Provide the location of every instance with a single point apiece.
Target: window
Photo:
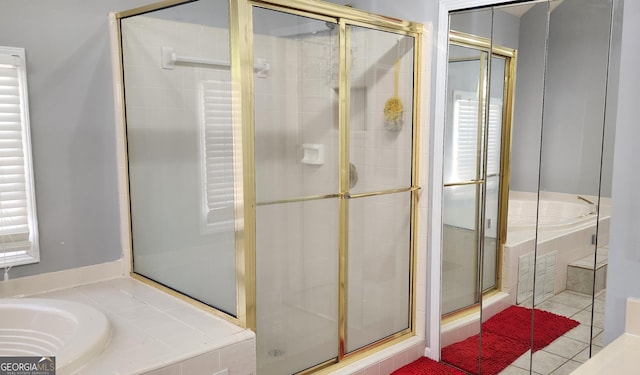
(18, 226)
(465, 136)
(216, 119)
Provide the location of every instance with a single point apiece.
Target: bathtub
(71, 332)
(552, 214)
(565, 233)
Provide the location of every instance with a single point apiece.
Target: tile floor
(572, 349)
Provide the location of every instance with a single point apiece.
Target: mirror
(529, 280)
(464, 236)
(574, 195)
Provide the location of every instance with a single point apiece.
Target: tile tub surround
(155, 333)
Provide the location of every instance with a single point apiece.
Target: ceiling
(520, 9)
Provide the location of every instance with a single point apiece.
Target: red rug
(505, 337)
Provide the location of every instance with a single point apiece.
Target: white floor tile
(546, 363)
(566, 347)
(558, 308)
(583, 333)
(513, 370)
(583, 356)
(567, 368)
(572, 299)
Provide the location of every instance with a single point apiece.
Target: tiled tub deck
(156, 334)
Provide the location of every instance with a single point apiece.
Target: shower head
(330, 25)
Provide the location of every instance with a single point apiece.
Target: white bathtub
(552, 214)
(70, 331)
(565, 233)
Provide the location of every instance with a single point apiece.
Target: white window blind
(217, 153)
(465, 136)
(18, 229)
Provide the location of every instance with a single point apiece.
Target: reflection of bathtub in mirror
(566, 226)
(558, 212)
(553, 215)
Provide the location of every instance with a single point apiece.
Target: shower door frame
(487, 51)
(345, 17)
(242, 76)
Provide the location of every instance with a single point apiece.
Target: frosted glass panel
(462, 145)
(296, 156)
(181, 191)
(378, 270)
(460, 247)
(381, 119)
(296, 107)
(297, 289)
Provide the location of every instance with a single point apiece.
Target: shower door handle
(353, 175)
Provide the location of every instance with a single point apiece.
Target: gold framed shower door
(242, 83)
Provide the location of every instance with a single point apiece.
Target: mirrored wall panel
(539, 234)
(466, 245)
(574, 194)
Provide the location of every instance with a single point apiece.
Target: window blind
(17, 232)
(217, 152)
(465, 136)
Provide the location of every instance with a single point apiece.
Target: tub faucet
(593, 210)
(585, 199)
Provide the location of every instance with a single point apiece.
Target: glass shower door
(335, 194)
(463, 179)
(473, 176)
(380, 136)
(494, 142)
(296, 180)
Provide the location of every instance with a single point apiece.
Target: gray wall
(72, 127)
(527, 116)
(623, 274)
(574, 98)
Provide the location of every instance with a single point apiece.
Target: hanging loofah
(393, 108)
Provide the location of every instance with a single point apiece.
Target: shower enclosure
(272, 163)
